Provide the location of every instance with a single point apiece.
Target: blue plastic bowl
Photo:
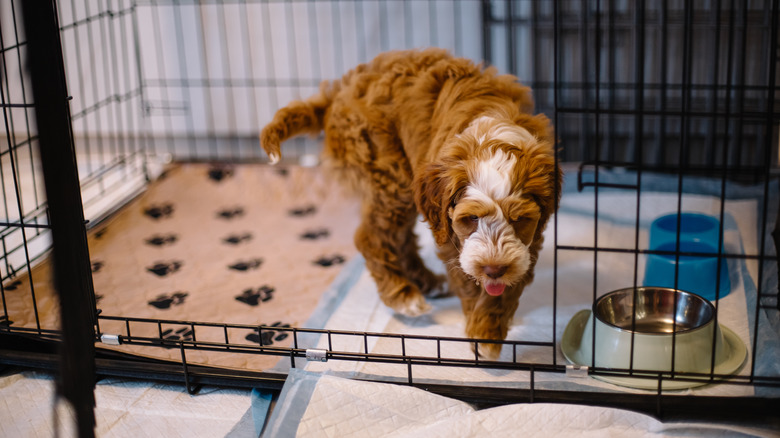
(695, 273)
(694, 227)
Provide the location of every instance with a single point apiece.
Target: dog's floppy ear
(543, 179)
(435, 190)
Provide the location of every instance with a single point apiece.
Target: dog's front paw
(487, 351)
(484, 326)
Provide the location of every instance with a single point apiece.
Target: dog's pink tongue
(494, 289)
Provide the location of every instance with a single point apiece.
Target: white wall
(223, 69)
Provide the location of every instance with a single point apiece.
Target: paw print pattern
(315, 234)
(236, 239)
(246, 265)
(161, 211)
(162, 239)
(165, 301)
(162, 269)
(12, 285)
(230, 213)
(182, 334)
(218, 173)
(330, 261)
(266, 337)
(253, 297)
(303, 211)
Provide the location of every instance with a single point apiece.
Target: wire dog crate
(656, 105)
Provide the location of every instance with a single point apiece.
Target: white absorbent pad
(314, 405)
(123, 409)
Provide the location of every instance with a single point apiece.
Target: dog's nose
(494, 271)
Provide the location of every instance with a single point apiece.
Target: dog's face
(494, 223)
(494, 192)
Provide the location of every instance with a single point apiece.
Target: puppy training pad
(246, 244)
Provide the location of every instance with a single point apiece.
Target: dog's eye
(474, 218)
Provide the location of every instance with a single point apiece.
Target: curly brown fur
(424, 132)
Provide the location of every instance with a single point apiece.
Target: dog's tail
(299, 117)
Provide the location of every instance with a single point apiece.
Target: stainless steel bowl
(644, 328)
(657, 310)
(652, 329)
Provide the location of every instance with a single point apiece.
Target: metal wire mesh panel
(688, 83)
(646, 92)
(99, 52)
(24, 233)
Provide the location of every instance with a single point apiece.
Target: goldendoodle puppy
(422, 132)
